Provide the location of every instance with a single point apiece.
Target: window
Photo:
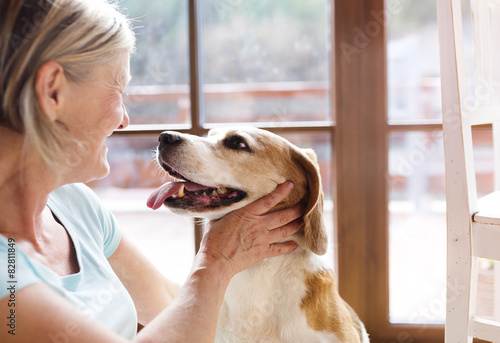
(417, 204)
(201, 64)
(375, 98)
(266, 61)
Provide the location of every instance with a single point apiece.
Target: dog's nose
(169, 138)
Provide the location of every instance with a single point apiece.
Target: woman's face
(93, 110)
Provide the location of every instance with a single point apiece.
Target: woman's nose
(126, 119)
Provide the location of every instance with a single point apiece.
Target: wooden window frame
(360, 132)
(361, 169)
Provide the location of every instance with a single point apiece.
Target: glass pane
(166, 239)
(417, 228)
(159, 90)
(266, 61)
(413, 59)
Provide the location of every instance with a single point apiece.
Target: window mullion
(196, 66)
(196, 84)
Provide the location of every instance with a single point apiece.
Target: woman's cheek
(112, 119)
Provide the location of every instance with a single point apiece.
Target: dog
(289, 298)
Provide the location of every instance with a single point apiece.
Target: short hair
(78, 34)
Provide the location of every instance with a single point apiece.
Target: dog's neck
(273, 288)
(272, 269)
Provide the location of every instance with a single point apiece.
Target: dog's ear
(314, 226)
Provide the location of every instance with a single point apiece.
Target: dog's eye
(237, 143)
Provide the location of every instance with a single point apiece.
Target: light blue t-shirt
(95, 289)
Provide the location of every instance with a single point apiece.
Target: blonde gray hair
(78, 34)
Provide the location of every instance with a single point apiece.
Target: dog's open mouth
(190, 195)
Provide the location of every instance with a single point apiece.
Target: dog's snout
(169, 138)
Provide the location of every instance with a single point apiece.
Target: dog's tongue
(158, 197)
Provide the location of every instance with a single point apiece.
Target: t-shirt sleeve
(16, 271)
(83, 206)
(110, 229)
(111, 232)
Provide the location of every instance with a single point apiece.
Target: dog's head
(232, 167)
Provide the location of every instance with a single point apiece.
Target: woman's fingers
(281, 248)
(283, 232)
(267, 202)
(283, 217)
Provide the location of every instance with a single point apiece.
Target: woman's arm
(43, 316)
(149, 289)
(230, 245)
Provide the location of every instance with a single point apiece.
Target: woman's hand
(246, 236)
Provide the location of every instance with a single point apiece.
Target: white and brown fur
(289, 298)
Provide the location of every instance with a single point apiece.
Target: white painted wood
(496, 154)
(496, 285)
(469, 233)
(483, 115)
(458, 213)
(485, 329)
(489, 209)
(486, 241)
(496, 271)
(473, 286)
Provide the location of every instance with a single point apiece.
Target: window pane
(159, 90)
(417, 205)
(266, 60)
(417, 228)
(166, 239)
(413, 61)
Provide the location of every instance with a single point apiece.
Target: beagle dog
(289, 298)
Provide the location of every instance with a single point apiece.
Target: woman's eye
(237, 143)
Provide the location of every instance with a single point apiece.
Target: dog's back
(290, 298)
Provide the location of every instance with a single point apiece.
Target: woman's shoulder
(74, 192)
(79, 206)
(76, 199)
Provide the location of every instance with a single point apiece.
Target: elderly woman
(67, 274)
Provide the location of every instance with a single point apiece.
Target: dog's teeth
(221, 191)
(214, 193)
(181, 193)
(174, 196)
(204, 194)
